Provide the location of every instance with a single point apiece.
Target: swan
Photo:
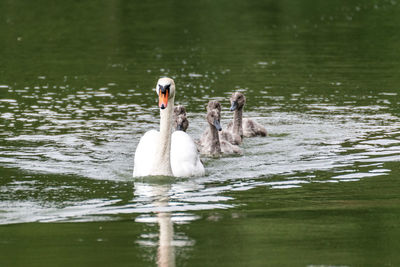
(210, 144)
(181, 122)
(239, 126)
(229, 136)
(163, 153)
(214, 104)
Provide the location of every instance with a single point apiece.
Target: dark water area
(76, 95)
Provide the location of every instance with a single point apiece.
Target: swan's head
(179, 110)
(181, 122)
(237, 101)
(214, 104)
(166, 90)
(214, 118)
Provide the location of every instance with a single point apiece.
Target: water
(76, 94)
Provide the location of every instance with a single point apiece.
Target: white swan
(210, 143)
(240, 127)
(163, 153)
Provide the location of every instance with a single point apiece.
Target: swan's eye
(163, 89)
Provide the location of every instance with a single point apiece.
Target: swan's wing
(253, 128)
(145, 151)
(229, 149)
(229, 126)
(204, 137)
(203, 143)
(185, 159)
(230, 136)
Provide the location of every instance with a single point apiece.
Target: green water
(76, 95)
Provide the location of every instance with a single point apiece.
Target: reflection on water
(166, 251)
(158, 194)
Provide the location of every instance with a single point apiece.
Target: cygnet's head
(166, 90)
(181, 122)
(214, 118)
(237, 101)
(178, 110)
(214, 104)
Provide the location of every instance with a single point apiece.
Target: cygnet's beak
(234, 105)
(217, 125)
(163, 99)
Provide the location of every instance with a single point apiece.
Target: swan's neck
(237, 122)
(215, 146)
(162, 159)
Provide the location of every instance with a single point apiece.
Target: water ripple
(92, 133)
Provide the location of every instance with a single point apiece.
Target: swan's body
(250, 128)
(230, 136)
(185, 159)
(239, 127)
(145, 151)
(163, 153)
(183, 148)
(210, 143)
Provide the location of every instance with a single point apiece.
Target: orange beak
(163, 100)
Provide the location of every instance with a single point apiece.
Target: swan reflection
(157, 196)
(166, 250)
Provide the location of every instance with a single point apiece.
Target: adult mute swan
(239, 126)
(210, 144)
(163, 153)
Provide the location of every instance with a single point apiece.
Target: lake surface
(76, 95)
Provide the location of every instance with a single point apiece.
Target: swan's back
(230, 149)
(145, 153)
(252, 128)
(185, 160)
(229, 135)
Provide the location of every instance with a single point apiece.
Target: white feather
(145, 151)
(185, 159)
